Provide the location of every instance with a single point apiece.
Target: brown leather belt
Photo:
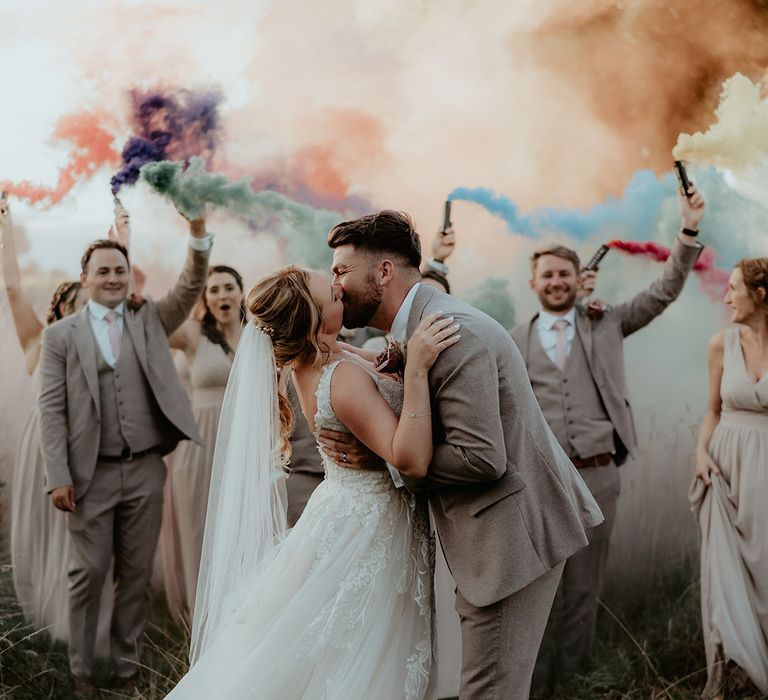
(600, 460)
(127, 455)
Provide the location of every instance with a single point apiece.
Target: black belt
(127, 455)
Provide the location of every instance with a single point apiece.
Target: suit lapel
(86, 350)
(135, 328)
(423, 294)
(584, 329)
(525, 350)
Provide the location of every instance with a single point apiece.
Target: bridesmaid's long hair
(755, 274)
(282, 305)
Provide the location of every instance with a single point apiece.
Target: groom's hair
(389, 232)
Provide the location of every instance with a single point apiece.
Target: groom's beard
(360, 307)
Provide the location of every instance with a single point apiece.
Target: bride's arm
(367, 355)
(405, 443)
(705, 465)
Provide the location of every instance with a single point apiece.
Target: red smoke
(713, 279)
(91, 150)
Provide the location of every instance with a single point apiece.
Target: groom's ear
(385, 271)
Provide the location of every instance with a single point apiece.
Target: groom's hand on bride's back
(347, 451)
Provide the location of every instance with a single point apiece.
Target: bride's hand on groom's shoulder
(433, 335)
(347, 451)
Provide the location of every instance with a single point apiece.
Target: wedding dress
(340, 607)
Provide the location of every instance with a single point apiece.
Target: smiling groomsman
(111, 406)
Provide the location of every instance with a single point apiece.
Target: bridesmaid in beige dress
(730, 492)
(209, 346)
(39, 543)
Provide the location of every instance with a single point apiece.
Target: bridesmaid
(729, 492)
(39, 542)
(209, 346)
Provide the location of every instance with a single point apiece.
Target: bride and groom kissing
(340, 606)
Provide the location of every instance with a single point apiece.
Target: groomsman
(575, 361)
(111, 406)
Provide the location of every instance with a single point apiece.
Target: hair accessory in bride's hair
(264, 328)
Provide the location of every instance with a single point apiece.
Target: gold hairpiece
(267, 330)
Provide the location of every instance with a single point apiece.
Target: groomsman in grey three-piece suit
(575, 361)
(111, 406)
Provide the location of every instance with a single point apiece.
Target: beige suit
(508, 504)
(594, 397)
(119, 501)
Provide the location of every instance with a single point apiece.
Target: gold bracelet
(418, 415)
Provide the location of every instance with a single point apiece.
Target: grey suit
(508, 504)
(88, 410)
(594, 398)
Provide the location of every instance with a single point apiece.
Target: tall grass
(648, 647)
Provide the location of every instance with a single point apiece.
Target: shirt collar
(548, 320)
(99, 311)
(400, 324)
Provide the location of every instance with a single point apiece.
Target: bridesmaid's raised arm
(28, 325)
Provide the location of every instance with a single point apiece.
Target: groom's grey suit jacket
(69, 396)
(508, 503)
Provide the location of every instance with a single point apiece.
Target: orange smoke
(651, 69)
(91, 150)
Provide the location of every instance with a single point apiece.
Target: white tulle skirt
(342, 609)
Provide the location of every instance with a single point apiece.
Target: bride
(340, 606)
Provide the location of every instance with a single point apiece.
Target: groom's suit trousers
(500, 642)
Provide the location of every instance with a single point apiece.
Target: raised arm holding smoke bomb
(110, 397)
(574, 356)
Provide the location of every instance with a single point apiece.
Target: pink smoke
(714, 279)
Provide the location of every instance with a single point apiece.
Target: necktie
(114, 333)
(561, 343)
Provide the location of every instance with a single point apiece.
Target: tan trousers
(499, 642)
(118, 516)
(571, 628)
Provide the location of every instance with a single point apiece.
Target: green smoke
(493, 297)
(192, 190)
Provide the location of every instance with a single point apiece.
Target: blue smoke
(646, 210)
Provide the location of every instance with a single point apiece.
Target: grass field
(649, 647)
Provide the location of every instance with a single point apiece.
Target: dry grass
(649, 647)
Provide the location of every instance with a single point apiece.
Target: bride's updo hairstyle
(755, 274)
(282, 306)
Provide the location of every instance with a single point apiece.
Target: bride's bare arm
(405, 443)
(367, 355)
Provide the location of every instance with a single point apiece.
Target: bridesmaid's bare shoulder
(716, 346)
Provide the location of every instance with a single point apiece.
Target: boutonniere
(596, 310)
(391, 360)
(135, 302)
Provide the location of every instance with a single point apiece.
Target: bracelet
(418, 415)
(689, 232)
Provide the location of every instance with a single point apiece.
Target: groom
(508, 504)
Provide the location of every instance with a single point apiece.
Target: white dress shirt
(548, 335)
(400, 324)
(97, 316)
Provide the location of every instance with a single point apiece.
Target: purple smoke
(173, 125)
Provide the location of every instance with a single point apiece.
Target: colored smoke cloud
(739, 137)
(649, 68)
(91, 149)
(170, 125)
